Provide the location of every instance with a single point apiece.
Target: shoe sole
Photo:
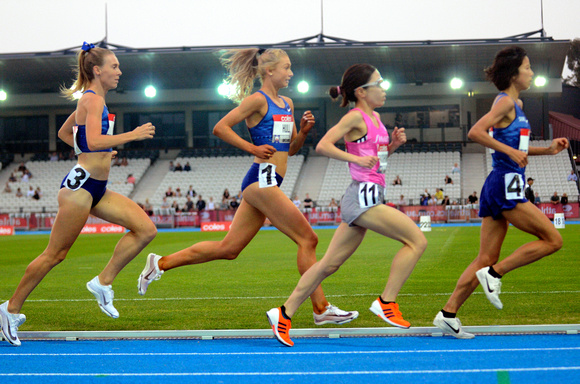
(339, 322)
(380, 314)
(442, 325)
(483, 282)
(275, 329)
(96, 294)
(16, 342)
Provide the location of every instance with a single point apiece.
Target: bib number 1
(514, 186)
(368, 195)
(267, 175)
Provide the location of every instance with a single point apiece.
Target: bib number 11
(368, 195)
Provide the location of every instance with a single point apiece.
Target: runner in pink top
(362, 208)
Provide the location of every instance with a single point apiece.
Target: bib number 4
(514, 186)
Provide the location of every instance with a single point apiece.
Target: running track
(528, 359)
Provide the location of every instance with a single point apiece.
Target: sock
(386, 302)
(494, 273)
(283, 309)
(448, 315)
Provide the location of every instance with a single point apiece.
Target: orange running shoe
(280, 325)
(390, 313)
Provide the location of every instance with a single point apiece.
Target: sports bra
(80, 132)
(275, 128)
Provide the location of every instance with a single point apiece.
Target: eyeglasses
(373, 84)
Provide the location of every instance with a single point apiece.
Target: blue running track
(512, 359)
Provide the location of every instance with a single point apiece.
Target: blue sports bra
(275, 128)
(80, 133)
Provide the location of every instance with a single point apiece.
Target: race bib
(283, 127)
(111, 124)
(75, 131)
(267, 175)
(490, 133)
(368, 194)
(524, 140)
(76, 178)
(383, 154)
(514, 186)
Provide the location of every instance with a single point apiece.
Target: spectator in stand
(424, 199)
(131, 179)
(12, 178)
(187, 167)
(148, 208)
(455, 169)
(7, 188)
(529, 192)
(19, 192)
(191, 192)
(473, 198)
(555, 199)
(30, 191)
(124, 162)
(37, 194)
(178, 192)
(210, 204)
(537, 200)
(175, 206)
(564, 199)
(117, 162)
(178, 167)
(200, 205)
(308, 203)
(226, 194)
(572, 176)
(397, 181)
(224, 205)
(169, 192)
(189, 206)
(165, 204)
(21, 168)
(332, 203)
(445, 201)
(297, 201)
(171, 166)
(448, 180)
(53, 156)
(234, 203)
(26, 176)
(401, 202)
(438, 194)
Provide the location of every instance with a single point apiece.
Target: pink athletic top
(375, 141)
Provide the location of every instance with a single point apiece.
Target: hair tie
(255, 61)
(338, 89)
(87, 47)
(261, 50)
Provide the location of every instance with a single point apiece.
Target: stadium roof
(319, 59)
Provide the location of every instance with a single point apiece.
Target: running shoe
(150, 273)
(491, 286)
(104, 295)
(10, 323)
(280, 325)
(390, 313)
(451, 326)
(334, 315)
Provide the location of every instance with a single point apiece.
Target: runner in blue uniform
(89, 129)
(270, 121)
(502, 197)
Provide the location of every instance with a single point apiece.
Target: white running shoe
(451, 326)
(10, 323)
(104, 295)
(334, 315)
(491, 286)
(150, 273)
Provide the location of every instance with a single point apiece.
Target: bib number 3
(76, 178)
(514, 186)
(267, 175)
(368, 195)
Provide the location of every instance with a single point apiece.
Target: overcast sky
(41, 25)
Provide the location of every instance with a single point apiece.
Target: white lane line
(478, 350)
(400, 372)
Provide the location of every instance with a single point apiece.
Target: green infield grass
(236, 294)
